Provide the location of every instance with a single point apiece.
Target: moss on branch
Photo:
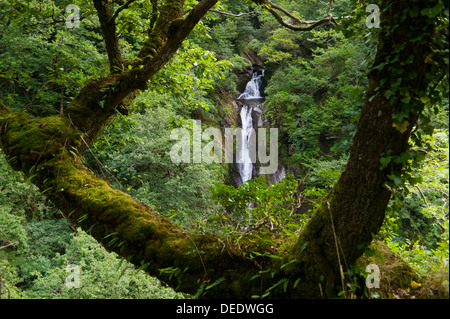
(170, 12)
(46, 150)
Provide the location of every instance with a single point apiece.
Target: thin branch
(35, 95)
(272, 8)
(120, 9)
(337, 244)
(423, 196)
(200, 256)
(7, 245)
(231, 14)
(4, 108)
(154, 13)
(426, 203)
(100, 164)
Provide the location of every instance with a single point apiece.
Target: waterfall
(252, 88)
(249, 97)
(244, 163)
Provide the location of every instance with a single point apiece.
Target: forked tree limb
(306, 24)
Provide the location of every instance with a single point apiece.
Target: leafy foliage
(42, 63)
(190, 75)
(418, 225)
(257, 205)
(136, 158)
(37, 245)
(102, 275)
(313, 99)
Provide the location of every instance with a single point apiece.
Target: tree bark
(353, 212)
(108, 26)
(49, 150)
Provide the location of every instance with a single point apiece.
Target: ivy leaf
(385, 162)
(402, 127)
(397, 82)
(396, 179)
(428, 58)
(434, 11)
(425, 99)
(406, 99)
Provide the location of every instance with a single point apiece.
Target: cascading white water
(244, 163)
(252, 92)
(252, 89)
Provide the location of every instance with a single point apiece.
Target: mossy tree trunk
(49, 150)
(353, 212)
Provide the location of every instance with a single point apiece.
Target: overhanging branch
(309, 24)
(306, 25)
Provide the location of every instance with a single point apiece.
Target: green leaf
(200, 290)
(397, 83)
(285, 285)
(396, 179)
(296, 282)
(385, 162)
(406, 99)
(217, 282)
(303, 247)
(288, 263)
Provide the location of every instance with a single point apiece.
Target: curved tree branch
(272, 8)
(286, 12)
